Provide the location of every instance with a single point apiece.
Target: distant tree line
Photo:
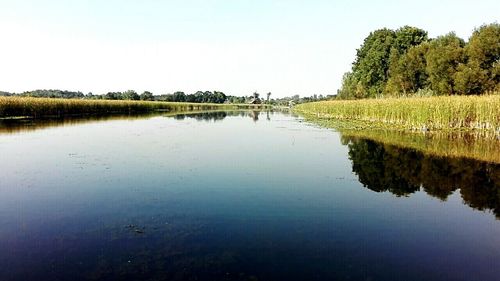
(198, 97)
(406, 61)
(179, 96)
(52, 94)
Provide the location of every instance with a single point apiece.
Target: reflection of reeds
(429, 113)
(473, 145)
(17, 125)
(8, 126)
(384, 167)
(43, 107)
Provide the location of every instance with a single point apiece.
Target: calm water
(237, 196)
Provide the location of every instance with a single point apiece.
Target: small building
(255, 101)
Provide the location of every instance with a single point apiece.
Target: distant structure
(255, 99)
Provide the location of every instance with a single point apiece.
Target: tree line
(178, 96)
(406, 61)
(198, 97)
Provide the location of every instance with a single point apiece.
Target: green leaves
(479, 74)
(370, 71)
(405, 61)
(444, 55)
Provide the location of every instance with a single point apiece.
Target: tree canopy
(406, 61)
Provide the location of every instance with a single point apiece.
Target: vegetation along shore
(11, 107)
(401, 79)
(420, 114)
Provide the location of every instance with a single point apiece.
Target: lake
(237, 196)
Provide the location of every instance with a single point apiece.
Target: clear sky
(237, 46)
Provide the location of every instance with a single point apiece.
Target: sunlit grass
(46, 107)
(422, 113)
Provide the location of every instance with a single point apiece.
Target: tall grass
(423, 113)
(46, 107)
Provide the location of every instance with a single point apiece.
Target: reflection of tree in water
(404, 171)
(220, 115)
(255, 115)
(206, 116)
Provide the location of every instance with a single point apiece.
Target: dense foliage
(406, 61)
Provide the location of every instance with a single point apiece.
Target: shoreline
(427, 114)
(28, 107)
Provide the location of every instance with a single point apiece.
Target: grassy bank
(422, 113)
(45, 107)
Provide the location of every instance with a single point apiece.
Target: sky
(285, 47)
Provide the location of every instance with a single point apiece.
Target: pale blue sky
(286, 47)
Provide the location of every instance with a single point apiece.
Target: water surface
(237, 196)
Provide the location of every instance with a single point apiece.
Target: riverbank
(444, 113)
(13, 107)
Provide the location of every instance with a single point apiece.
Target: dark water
(237, 196)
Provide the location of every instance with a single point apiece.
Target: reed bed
(422, 113)
(45, 107)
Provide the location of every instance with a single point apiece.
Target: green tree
(480, 73)
(443, 57)
(147, 96)
(219, 97)
(179, 96)
(409, 36)
(130, 95)
(407, 73)
(113, 96)
(351, 88)
(372, 62)
(378, 57)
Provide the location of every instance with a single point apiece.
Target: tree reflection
(401, 171)
(203, 116)
(220, 115)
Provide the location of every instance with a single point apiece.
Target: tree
(130, 95)
(407, 72)
(372, 63)
(480, 73)
(113, 96)
(198, 96)
(207, 97)
(378, 56)
(147, 96)
(409, 36)
(179, 96)
(219, 97)
(403, 77)
(443, 57)
(351, 88)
